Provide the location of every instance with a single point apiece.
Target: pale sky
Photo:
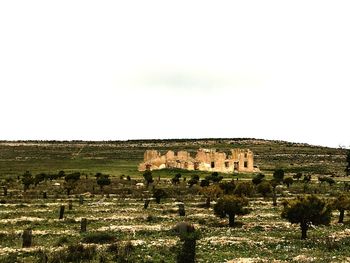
(115, 70)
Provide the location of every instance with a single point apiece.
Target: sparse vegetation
(121, 230)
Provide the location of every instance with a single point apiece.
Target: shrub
(228, 187)
(99, 238)
(158, 194)
(278, 175)
(244, 189)
(264, 188)
(257, 179)
(307, 210)
(147, 175)
(230, 205)
(288, 181)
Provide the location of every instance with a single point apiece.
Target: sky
(118, 70)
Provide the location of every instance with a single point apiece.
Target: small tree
(194, 180)
(228, 187)
(211, 193)
(307, 210)
(158, 194)
(27, 180)
(176, 179)
(264, 188)
(347, 169)
(40, 178)
(214, 177)
(342, 203)
(278, 175)
(288, 181)
(102, 180)
(204, 183)
(71, 181)
(257, 179)
(244, 189)
(231, 205)
(297, 176)
(148, 177)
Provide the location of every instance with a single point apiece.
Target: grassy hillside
(122, 157)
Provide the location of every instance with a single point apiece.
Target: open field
(122, 157)
(120, 229)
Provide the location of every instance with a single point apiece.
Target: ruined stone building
(239, 160)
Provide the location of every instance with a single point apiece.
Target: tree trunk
(145, 206)
(5, 191)
(61, 212)
(341, 216)
(303, 231)
(27, 238)
(81, 200)
(231, 220)
(274, 198)
(207, 202)
(83, 224)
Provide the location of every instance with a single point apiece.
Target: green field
(119, 229)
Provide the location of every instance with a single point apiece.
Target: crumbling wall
(240, 160)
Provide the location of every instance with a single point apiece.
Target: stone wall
(238, 160)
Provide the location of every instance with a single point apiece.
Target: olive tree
(231, 205)
(341, 203)
(102, 180)
(307, 210)
(347, 169)
(211, 192)
(27, 180)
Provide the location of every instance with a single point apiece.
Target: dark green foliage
(72, 177)
(214, 177)
(74, 253)
(99, 238)
(71, 181)
(341, 203)
(244, 189)
(288, 181)
(27, 180)
(204, 183)
(40, 178)
(102, 180)
(297, 176)
(264, 188)
(307, 210)
(228, 187)
(231, 205)
(61, 174)
(257, 179)
(188, 237)
(158, 194)
(147, 175)
(176, 178)
(326, 179)
(194, 180)
(278, 175)
(307, 178)
(347, 169)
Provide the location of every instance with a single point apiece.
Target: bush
(228, 187)
(230, 205)
(307, 210)
(244, 189)
(264, 188)
(99, 238)
(74, 253)
(257, 179)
